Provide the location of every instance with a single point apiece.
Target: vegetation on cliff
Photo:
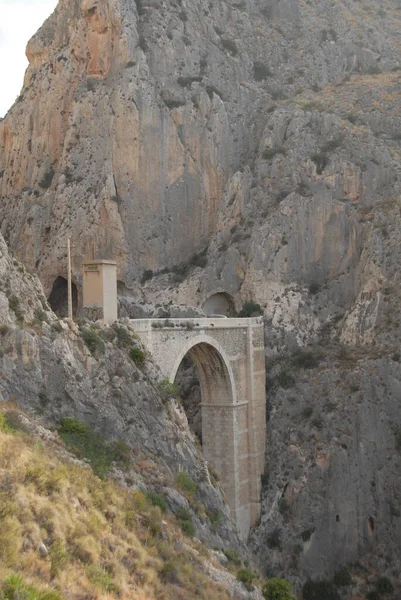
(66, 533)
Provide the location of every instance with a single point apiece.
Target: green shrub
(214, 516)
(342, 577)
(138, 356)
(284, 507)
(314, 288)
(87, 444)
(124, 337)
(10, 538)
(56, 325)
(185, 522)
(285, 379)
(307, 412)
(250, 309)
(14, 588)
(183, 514)
(43, 397)
(4, 427)
(14, 305)
(277, 589)
(13, 422)
(384, 586)
(319, 590)
(331, 145)
(47, 179)
(153, 520)
(199, 259)
(40, 315)
(170, 390)
(99, 577)
(317, 422)
(4, 329)
(121, 453)
(321, 161)
(59, 558)
(72, 426)
(261, 71)
(187, 528)
(273, 538)
(232, 556)
(94, 342)
(352, 118)
(305, 359)
(269, 153)
(230, 45)
(185, 483)
(148, 274)
(247, 576)
(170, 572)
(157, 500)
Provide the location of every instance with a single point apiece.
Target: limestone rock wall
(134, 117)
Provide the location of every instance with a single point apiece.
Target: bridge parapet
(197, 323)
(229, 357)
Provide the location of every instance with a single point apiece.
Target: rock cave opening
(219, 304)
(58, 298)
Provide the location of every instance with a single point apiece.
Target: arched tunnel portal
(58, 298)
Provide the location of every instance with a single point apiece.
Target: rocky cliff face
(251, 149)
(136, 117)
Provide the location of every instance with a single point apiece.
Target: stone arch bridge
(228, 354)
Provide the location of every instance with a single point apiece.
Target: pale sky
(19, 20)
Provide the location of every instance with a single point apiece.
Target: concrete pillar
(100, 290)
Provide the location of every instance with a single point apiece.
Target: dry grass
(103, 541)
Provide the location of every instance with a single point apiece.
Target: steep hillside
(66, 534)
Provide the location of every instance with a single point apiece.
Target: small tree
(250, 309)
(277, 589)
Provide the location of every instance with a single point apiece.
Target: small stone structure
(100, 290)
(229, 358)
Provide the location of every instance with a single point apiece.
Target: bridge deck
(196, 323)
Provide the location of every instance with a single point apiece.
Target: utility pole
(69, 278)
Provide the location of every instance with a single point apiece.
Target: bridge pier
(229, 357)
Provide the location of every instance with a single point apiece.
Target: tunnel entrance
(58, 298)
(220, 304)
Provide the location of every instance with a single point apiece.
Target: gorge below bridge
(228, 354)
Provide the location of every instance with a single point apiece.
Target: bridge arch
(213, 367)
(218, 398)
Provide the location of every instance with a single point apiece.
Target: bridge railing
(196, 323)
